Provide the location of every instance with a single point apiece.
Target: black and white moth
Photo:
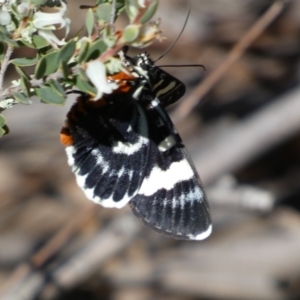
(124, 149)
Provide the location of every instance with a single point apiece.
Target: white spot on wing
(202, 235)
(166, 89)
(137, 92)
(100, 160)
(155, 102)
(195, 194)
(70, 151)
(158, 84)
(160, 179)
(121, 172)
(80, 179)
(128, 148)
(167, 143)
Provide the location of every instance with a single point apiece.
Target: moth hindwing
(124, 149)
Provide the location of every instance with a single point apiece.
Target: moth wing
(168, 89)
(108, 153)
(171, 199)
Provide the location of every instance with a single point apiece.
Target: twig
(6, 93)
(50, 249)
(191, 101)
(118, 235)
(5, 64)
(239, 143)
(228, 193)
(61, 238)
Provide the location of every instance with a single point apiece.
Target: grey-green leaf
(83, 51)
(95, 50)
(47, 65)
(2, 121)
(58, 88)
(89, 21)
(65, 69)
(149, 12)
(2, 132)
(131, 32)
(38, 42)
(104, 12)
(24, 62)
(132, 9)
(66, 52)
(38, 2)
(21, 73)
(2, 51)
(50, 95)
(9, 41)
(21, 98)
(25, 86)
(85, 86)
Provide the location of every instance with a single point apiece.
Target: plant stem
(113, 12)
(4, 65)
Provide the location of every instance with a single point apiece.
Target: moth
(123, 148)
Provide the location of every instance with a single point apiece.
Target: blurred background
(243, 133)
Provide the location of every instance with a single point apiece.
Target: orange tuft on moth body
(65, 137)
(122, 79)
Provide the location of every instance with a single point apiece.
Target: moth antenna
(75, 92)
(172, 45)
(181, 66)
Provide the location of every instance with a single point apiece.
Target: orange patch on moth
(122, 79)
(122, 76)
(65, 137)
(124, 87)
